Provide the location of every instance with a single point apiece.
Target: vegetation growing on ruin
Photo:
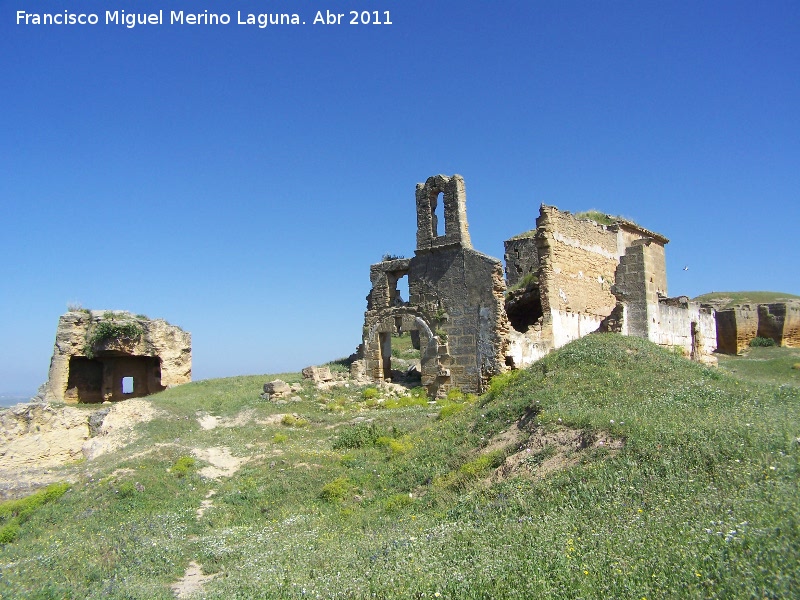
(597, 216)
(111, 328)
(529, 280)
(694, 494)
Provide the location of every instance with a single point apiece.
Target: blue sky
(239, 181)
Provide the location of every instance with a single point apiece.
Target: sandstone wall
(455, 309)
(738, 325)
(461, 293)
(781, 322)
(635, 286)
(687, 326)
(578, 260)
(450, 191)
(168, 348)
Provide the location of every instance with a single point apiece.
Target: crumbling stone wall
(639, 269)
(469, 326)
(736, 327)
(604, 277)
(521, 257)
(455, 310)
(686, 325)
(739, 325)
(578, 259)
(87, 367)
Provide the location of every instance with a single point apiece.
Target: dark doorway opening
(113, 377)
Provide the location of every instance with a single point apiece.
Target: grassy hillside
(728, 299)
(779, 366)
(610, 469)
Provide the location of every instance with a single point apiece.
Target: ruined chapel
(565, 278)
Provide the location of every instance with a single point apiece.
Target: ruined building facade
(114, 355)
(564, 279)
(455, 311)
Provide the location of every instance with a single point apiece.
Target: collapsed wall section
(521, 256)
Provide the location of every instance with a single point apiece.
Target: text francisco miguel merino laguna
(179, 17)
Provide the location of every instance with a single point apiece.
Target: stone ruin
(114, 355)
(737, 326)
(566, 278)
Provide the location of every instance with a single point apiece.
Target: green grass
(701, 500)
(772, 365)
(402, 347)
(597, 217)
(728, 299)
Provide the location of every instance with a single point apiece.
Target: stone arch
(433, 353)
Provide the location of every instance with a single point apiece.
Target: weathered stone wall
(738, 325)
(791, 326)
(629, 234)
(688, 326)
(521, 257)
(781, 322)
(455, 309)
(588, 275)
(452, 192)
(384, 277)
(461, 294)
(160, 357)
(578, 259)
(635, 286)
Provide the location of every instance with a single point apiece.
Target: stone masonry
(566, 278)
(737, 326)
(114, 355)
(455, 311)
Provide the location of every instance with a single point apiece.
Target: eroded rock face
(36, 434)
(115, 355)
(36, 438)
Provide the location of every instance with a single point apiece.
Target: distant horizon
(7, 399)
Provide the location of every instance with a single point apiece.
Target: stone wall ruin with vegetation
(114, 355)
(569, 276)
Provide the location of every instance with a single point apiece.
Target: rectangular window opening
(127, 385)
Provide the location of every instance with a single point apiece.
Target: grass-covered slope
(610, 469)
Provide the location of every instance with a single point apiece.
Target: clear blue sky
(239, 181)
